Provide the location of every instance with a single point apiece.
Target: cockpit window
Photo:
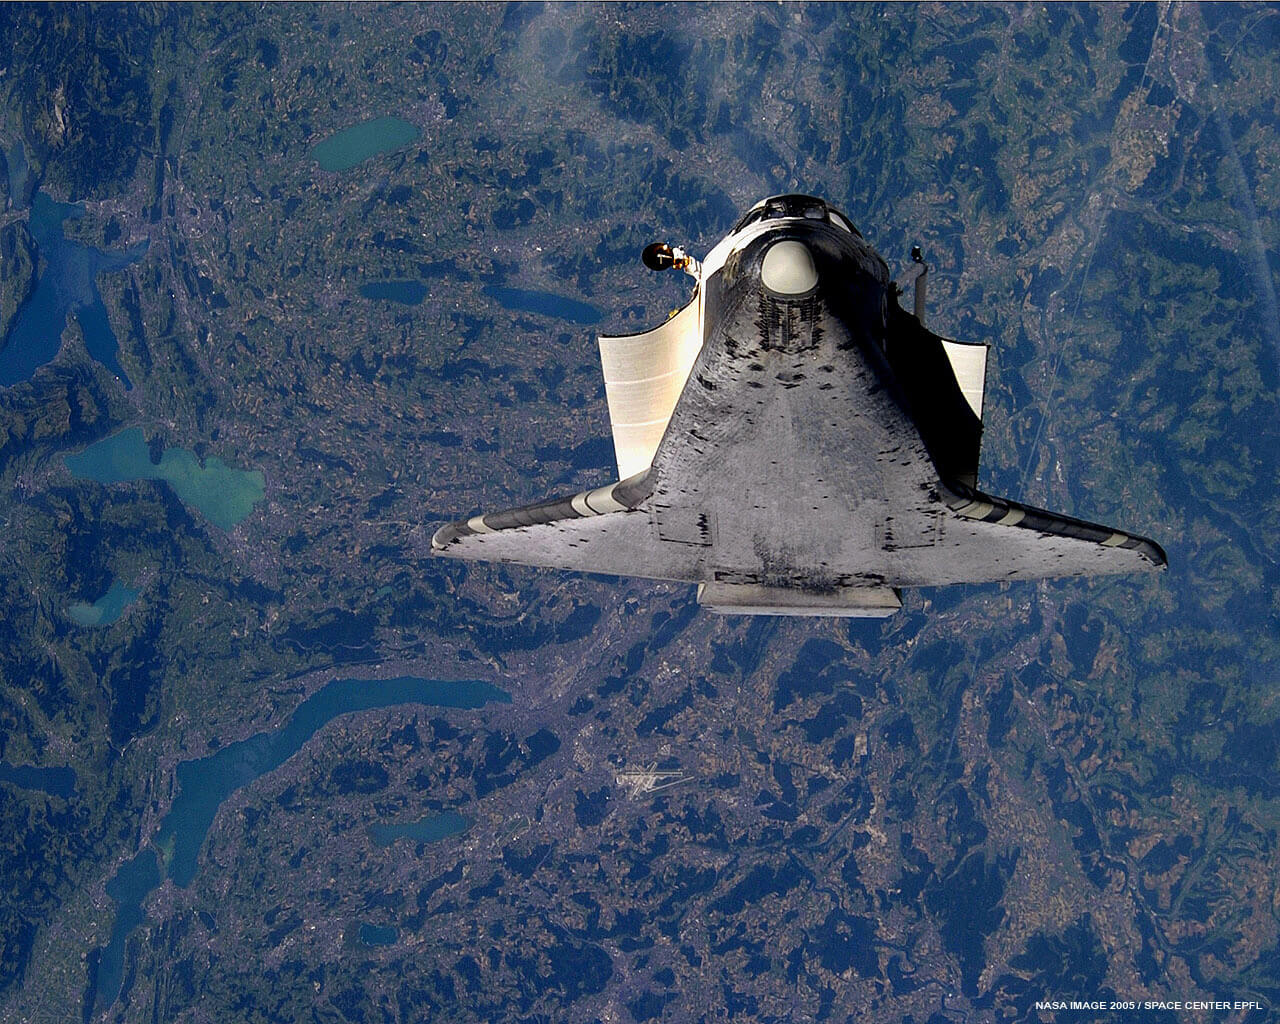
(808, 207)
(840, 220)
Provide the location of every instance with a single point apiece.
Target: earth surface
(284, 288)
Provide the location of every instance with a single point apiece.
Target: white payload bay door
(969, 364)
(644, 375)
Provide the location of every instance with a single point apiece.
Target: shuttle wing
(953, 534)
(606, 530)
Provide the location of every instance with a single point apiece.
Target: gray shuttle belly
(788, 447)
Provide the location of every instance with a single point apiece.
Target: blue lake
(408, 293)
(130, 886)
(104, 611)
(205, 783)
(351, 146)
(65, 287)
(428, 830)
(54, 781)
(376, 935)
(525, 300)
(223, 495)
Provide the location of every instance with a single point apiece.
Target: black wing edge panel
(617, 497)
(974, 504)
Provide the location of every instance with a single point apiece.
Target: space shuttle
(794, 442)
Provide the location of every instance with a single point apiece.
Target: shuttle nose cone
(788, 269)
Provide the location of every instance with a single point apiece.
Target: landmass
(1001, 796)
(19, 262)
